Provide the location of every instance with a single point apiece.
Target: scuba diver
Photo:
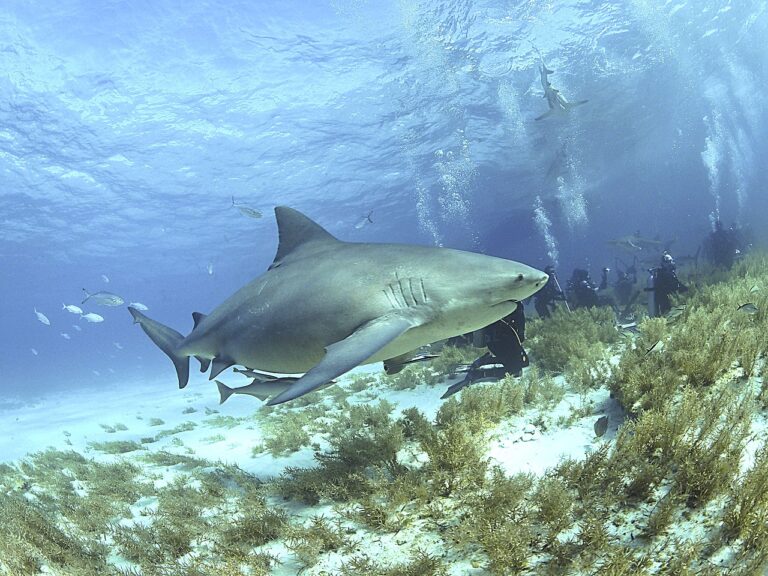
(544, 299)
(504, 339)
(663, 282)
(583, 292)
(720, 246)
(624, 287)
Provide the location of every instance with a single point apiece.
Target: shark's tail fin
(167, 339)
(224, 391)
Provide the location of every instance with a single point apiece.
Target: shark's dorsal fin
(197, 317)
(294, 230)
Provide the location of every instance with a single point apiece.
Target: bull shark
(557, 102)
(325, 306)
(636, 243)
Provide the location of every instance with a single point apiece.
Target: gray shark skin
(325, 306)
(557, 102)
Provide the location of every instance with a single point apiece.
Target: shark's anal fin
(344, 355)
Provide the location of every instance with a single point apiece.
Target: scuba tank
(650, 287)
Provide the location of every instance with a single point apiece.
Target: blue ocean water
(126, 130)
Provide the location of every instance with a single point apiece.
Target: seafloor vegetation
(680, 489)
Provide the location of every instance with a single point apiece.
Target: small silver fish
(675, 312)
(139, 306)
(209, 268)
(364, 221)
(71, 308)
(748, 308)
(652, 348)
(754, 289)
(33, 351)
(118, 345)
(42, 317)
(250, 212)
(76, 327)
(601, 426)
(65, 336)
(103, 298)
(247, 210)
(105, 278)
(92, 317)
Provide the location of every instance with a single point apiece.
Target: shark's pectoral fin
(571, 105)
(545, 115)
(344, 355)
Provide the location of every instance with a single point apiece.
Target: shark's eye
(519, 277)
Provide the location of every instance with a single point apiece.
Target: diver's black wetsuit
(544, 300)
(665, 283)
(504, 338)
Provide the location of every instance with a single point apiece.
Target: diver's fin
(204, 363)
(458, 386)
(545, 115)
(218, 366)
(197, 317)
(342, 356)
(167, 339)
(224, 391)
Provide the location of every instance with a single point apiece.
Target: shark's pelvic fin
(545, 115)
(167, 339)
(294, 230)
(344, 355)
(218, 366)
(204, 363)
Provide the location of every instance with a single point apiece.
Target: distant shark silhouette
(635, 243)
(325, 306)
(556, 101)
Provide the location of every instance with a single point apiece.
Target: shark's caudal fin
(224, 391)
(167, 339)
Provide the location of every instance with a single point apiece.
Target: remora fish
(261, 389)
(103, 298)
(365, 303)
